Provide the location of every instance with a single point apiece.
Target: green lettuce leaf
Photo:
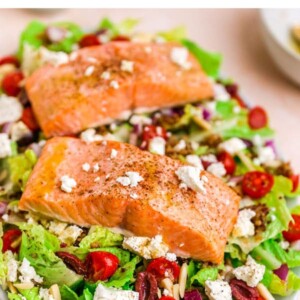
(31, 294)
(87, 295)
(39, 247)
(210, 62)
(67, 293)
(12, 296)
(207, 273)
(125, 27)
(176, 34)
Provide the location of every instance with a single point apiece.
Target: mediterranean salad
(46, 259)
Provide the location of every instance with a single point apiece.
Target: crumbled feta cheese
(90, 135)
(12, 268)
(5, 148)
(284, 245)
(133, 195)
(19, 131)
(5, 217)
(233, 145)
(194, 145)
(194, 160)
(246, 202)
(89, 71)
(257, 140)
(97, 179)
(252, 272)
(179, 55)
(86, 167)
(114, 153)
(140, 120)
(183, 186)
(166, 292)
(236, 109)
(266, 156)
(67, 183)
(131, 179)
(149, 248)
(217, 169)
(157, 145)
(105, 75)
(244, 227)
(92, 60)
(220, 92)
(10, 109)
(45, 294)
(181, 145)
(96, 168)
(104, 38)
(210, 158)
(70, 234)
(171, 256)
(57, 227)
(28, 274)
(218, 290)
(127, 66)
(191, 177)
(105, 293)
(114, 84)
(125, 181)
(148, 49)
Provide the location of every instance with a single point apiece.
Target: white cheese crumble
(10, 109)
(191, 177)
(96, 167)
(45, 294)
(220, 92)
(57, 227)
(266, 156)
(104, 293)
(114, 84)
(140, 120)
(257, 140)
(113, 153)
(5, 217)
(211, 158)
(89, 71)
(70, 234)
(19, 131)
(90, 135)
(252, 272)
(157, 145)
(28, 274)
(105, 75)
(218, 290)
(194, 160)
(284, 245)
(67, 183)
(12, 268)
(244, 227)
(5, 148)
(171, 256)
(127, 66)
(181, 145)
(86, 167)
(217, 169)
(233, 146)
(97, 179)
(131, 179)
(133, 195)
(149, 248)
(179, 55)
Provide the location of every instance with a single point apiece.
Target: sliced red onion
(272, 145)
(177, 111)
(3, 206)
(56, 34)
(248, 143)
(192, 295)
(206, 114)
(138, 129)
(282, 272)
(36, 148)
(236, 179)
(6, 127)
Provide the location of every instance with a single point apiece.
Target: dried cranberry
(146, 286)
(241, 291)
(89, 40)
(11, 83)
(72, 262)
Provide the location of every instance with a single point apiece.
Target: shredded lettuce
(125, 27)
(176, 34)
(31, 294)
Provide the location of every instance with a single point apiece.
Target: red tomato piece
(162, 268)
(29, 119)
(9, 237)
(166, 298)
(9, 60)
(11, 83)
(257, 184)
(293, 233)
(101, 265)
(228, 161)
(151, 131)
(89, 40)
(121, 38)
(257, 118)
(295, 180)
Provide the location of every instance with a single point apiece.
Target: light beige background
(234, 33)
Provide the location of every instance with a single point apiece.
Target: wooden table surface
(234, 33)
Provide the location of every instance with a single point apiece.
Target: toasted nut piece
(54, 291)
(176, 291)
(264, 292)
(24, 286)
(182, 279)
(168, 285)
(12, 288)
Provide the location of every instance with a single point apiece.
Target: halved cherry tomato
(166, 298)
(101, 265)
(295, 180)
(151, 131)
(9, 60)
(9, 237)
(121, 38)
(11, 83)
(257, 184)
(293, 233)
(29, 119)
(257, 118)
(227, 160)
(89, 40)
(162, 268)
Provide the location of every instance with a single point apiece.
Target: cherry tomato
(9, 237)
(9, 60)
(11, 83)
(151, 131)
(89, 40)
(293, 233)
(295, 180)
(227, 160)
(257, 184)
(101, 265)
(166, 298)
(29, 119)
(257, 118)
(162, 268)
(121, 38)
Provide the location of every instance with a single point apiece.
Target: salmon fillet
(193, 224)
(77, 95)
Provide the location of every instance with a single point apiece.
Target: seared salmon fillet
(108, 82)
(193, 224)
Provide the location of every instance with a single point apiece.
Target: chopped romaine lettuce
(176, 34)
(125, 27)
(67, 293)
(207, 273)
(31, 294)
